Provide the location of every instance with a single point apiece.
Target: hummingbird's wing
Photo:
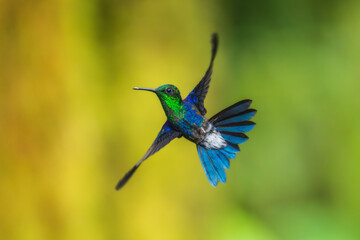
(197, 96)
(166, 134)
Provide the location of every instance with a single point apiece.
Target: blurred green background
(71, 125)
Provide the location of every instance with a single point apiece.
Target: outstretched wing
(166, 134)
(197, 96)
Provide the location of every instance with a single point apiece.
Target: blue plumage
(232, 148)
(227, 154)
(243, 116)
(231, 137)
(216, 162)
(239, 127)
(212, 164)
(225, 163)
(231, 123)
(207, 165)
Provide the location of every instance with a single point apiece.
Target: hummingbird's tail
(231, 122)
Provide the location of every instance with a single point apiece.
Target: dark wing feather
(197, 96)
(166, 134)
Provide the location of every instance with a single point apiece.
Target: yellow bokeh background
(71, 125)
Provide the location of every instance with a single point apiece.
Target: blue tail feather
(227, 154)
(207, 165)
(221, 175)
(232, 110)
(225, 163)
(242, 116)
(229, 149)
(243, 126)
(234, 137)
(214, 161)
(232, 147)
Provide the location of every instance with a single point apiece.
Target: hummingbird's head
(169, 96)
(166, 92)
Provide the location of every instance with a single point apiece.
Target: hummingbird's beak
(146, 89)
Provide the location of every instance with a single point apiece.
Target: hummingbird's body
(216, 138)
(196, 127)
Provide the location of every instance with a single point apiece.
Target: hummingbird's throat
(173, 107)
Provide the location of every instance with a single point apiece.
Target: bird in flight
(216, 138)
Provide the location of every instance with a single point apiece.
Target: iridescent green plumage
(171, 102)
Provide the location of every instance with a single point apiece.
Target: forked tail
(231, 122)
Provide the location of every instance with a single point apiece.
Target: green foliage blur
(71, 125)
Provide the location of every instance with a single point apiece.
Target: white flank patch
(214, 140)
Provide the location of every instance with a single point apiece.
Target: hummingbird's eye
(168, 90)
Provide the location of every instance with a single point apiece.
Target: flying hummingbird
(216, 138)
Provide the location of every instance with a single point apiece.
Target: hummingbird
(216, 138)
